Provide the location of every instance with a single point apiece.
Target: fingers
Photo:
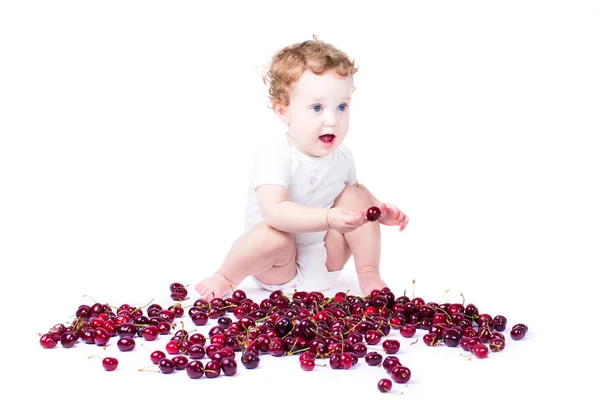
(403, 223)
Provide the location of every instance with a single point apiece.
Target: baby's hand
(391, 215)
(344, 221)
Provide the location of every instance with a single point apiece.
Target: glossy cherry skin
(384, 385)
(126, 343)
(480, 350)
(180, 361)
(496, 345)
(250, 360)
(408, 330)
(48, 341)
(391, 346)
(390, 362)
(400, 374)
(68, 340)
(101, 336)
(212, 369)
(451, 337)
(110, 363)
(228, 366)
(517, 333)
(156, 356)
(194, 369)
(166, 366)
(373, 213)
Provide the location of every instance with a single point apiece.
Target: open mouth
(327, 138)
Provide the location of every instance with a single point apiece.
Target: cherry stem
(146, 305)
(445, 293)
(147, 370)
(85, 295)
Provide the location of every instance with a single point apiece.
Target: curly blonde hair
(289, 63)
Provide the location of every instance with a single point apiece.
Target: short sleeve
(272, 165)
(349, 159)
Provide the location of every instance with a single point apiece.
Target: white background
(127, 131)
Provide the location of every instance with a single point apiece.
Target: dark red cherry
(480, 350)
(194, 369)
(451, 337)
(517, 333)
(250, 360)
(373, 213)
(48, 341)
(384, 385)
(68, 340)
(156, 356)
(166, 366)
(391, 346)
(228, 366)
(110, 363)
(126, 343)
(400, 374)
(212, 369)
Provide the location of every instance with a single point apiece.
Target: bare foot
(370, 280)
(214, 286)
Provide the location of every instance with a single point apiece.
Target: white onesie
(312, 182)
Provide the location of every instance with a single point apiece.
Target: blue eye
(317, 108)
(342, 107)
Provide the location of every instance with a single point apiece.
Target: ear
(282, 112)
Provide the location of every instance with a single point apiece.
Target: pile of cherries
(308, 324)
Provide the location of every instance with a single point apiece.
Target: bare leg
(265, 252)
(364, 244)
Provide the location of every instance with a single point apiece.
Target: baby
(306, 211)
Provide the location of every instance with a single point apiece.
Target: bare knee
(274, 242)
(352, 198)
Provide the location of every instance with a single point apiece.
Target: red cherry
(346, 360)
(68, 340)
(180, 361)
(430, 339)
(156, 356)
(480, 350)
(166, 366)
(150, 332)
(212, 369)
(384, 385)
(390, 362)
(372, 337)
(110, 363)
(179, 294)
(228, 366)
(517, 333)
(400, 374)
(391, 346)
(408, 330)
(174, 286)
(101, 336)
(373, 213)
(194, 369)
(172, 347)
(48, 341)
(307, 364)
(496, 344)
(126, 343)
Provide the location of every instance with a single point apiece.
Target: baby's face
(318, 115)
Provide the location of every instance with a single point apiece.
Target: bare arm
(288, 216)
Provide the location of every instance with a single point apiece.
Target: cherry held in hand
(373, 213)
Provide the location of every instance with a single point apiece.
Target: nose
(330, 119)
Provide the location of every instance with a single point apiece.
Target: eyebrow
(323, 98)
